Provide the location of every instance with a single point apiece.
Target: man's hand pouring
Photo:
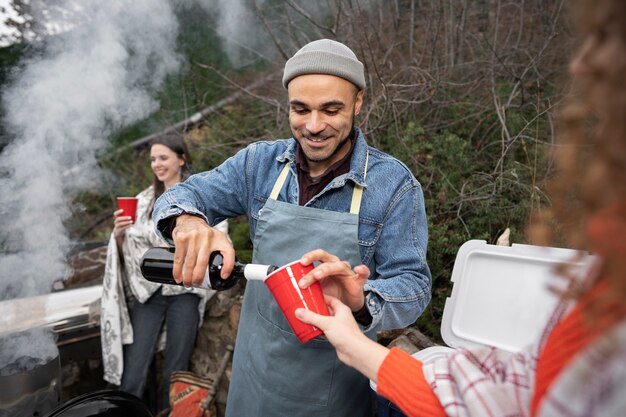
(195, 240)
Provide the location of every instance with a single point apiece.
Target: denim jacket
(393, 231)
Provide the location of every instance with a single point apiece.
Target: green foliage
(476, 184)
(9, 58)
(227, 131)
(239, 231)
(88, 217)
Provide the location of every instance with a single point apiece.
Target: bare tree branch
(269, 30)
(308, 17)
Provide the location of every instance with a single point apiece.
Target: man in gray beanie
(325, 56)
(322, 196)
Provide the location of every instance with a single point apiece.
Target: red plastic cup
(283, 283)
(129, 205)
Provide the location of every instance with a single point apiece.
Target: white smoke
(88, 81)
(237, 24)
(99, 72)
(26, 350)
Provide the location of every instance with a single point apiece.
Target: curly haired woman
(578, 366)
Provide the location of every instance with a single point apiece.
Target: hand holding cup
(336, 277)
(129, 206)
(121, 223)
(125, 215)
(283, 284)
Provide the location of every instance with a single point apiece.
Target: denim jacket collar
(357, 165)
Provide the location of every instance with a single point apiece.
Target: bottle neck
(255, 272)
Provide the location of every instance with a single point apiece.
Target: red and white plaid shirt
(485, 382)
(577, 368)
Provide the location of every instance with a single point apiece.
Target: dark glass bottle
(157, 265)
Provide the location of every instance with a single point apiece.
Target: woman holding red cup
(134, 310)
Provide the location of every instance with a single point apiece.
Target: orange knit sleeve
(401, 381)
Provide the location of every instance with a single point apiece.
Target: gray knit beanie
(325, 56)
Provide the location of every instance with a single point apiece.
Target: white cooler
(500, 295)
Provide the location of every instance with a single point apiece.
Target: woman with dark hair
(135, 312)
(578, 366)
(161, 180)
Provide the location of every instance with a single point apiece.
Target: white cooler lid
(500, 295)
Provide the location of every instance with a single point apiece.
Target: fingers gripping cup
(129, 205)
(283, 283)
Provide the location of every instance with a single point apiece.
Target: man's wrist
(170, 224)
(363, 316)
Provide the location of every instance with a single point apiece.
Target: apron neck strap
(357, 193)
(278, 185)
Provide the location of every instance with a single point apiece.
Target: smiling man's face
(321, 115)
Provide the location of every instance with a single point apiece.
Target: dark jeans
(385, 408)
(180, 314)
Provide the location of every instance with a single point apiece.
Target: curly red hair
(590, 154)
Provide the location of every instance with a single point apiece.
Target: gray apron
(273, 373)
